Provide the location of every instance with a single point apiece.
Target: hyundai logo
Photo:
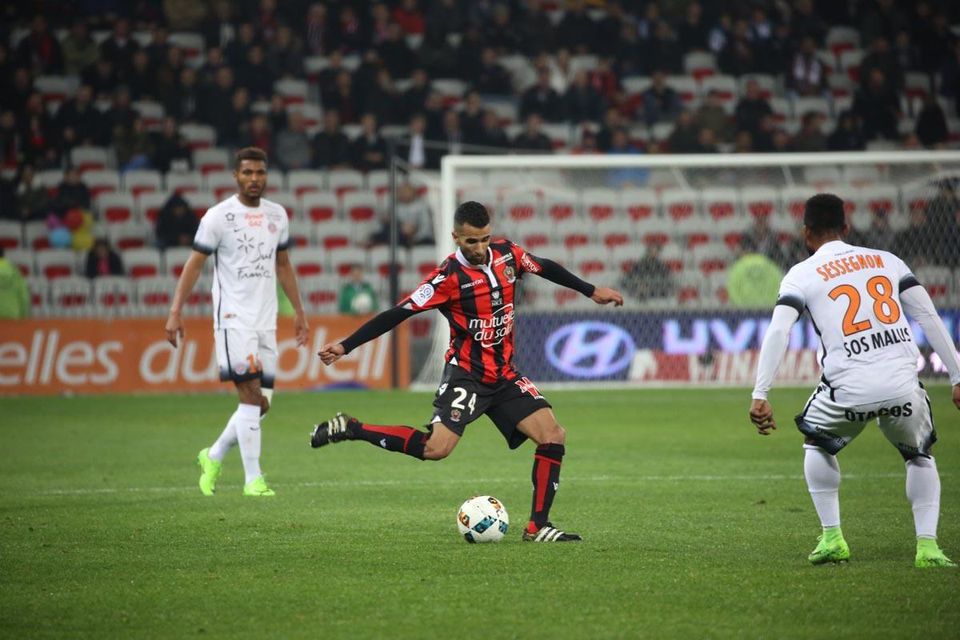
(590, 349)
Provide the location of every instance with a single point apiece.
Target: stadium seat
(71, 296)
(149, 205)
(574, 238)
(732, 229)
(303, 181)
(200, 202)
(301, 234)
(806, 104)
(700, 64)
(115, 207)
(781, 109)
(360, 206)
(142, 263)
(56, 263)
(101, 181)
(725, 88)
(794, 200)
(320, 206)
(192, 44)
(154, 295)
(198, 136)
(140, 181)
(759, 202)
(39, 289)
(616, 231)
(423, 260)
(320, 293)
(208, 160)
(532, 234)
(937, 280)
(36, 235)
(679, 205)
(560, 206)
(591, 260)
(114, 295)
(711, 257)
(600, 204)
(693, 231)
(342, 259)
(720, 202)
(200, 300)
(309, 261)
(686, 87)
(860, 175)
(521, 204)
(56, 89)
(655, 230)
(378, 181)
(50, 179)
(343, 181)
(331, 234)
(174, 258)
(689, 288)
(288, 201)
(841, 39)
(672, 255)
(150, 112)
(880, 198)
(639, 204)
(292, 90)
(130, 234)
(89, 158)
(11, 235)
(22, 259)
(766, 82)
(221, 184)
(183, 182)
(378, 259)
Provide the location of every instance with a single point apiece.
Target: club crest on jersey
(423, 294)
(272, 227)
(509, 274)
(455, 415)
(231, 216)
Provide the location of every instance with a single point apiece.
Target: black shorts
(461, 399)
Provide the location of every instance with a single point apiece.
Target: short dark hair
(472, 213)
(250, 153)
(824, 212)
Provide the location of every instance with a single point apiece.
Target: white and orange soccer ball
(483, 519)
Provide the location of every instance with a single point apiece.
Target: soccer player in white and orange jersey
(858, 300)
(248, 237)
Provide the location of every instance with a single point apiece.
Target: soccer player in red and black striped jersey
(474, 290)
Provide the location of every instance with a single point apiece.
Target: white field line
(453, 482)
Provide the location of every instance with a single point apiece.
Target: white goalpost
(721, 227)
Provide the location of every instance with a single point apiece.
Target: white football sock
(247, 421)
(823, 480)
(923, 492)
(219, 449)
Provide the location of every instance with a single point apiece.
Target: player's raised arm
(919, 306)
(558, 274)
(188, 279)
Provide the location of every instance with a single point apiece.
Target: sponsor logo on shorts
(896, 411)
(423, 294)
(526, 386)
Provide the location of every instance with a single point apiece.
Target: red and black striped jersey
(478, 302)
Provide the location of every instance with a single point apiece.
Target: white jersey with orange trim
(244, 242)
(853, 298)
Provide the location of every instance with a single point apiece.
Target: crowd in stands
(337, 84)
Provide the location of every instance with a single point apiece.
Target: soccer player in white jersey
(858, 300)
(248, 237)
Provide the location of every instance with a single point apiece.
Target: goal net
(697, 244)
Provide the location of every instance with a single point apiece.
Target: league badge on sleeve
(423, 294)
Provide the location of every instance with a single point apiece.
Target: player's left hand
(761, 415)
(956, 396)
(302, 329)
(606, 295)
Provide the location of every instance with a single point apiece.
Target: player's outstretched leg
(923, 492)
(399, 438)
(822, 473)
(546, 480)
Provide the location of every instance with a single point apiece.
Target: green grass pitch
(694, 526)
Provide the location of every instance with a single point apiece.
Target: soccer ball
(483, 519)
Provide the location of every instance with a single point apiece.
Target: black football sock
(393, 438)
(546, 481)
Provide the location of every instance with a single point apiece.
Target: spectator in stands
(713, 116)
(471, 118)
(415, 150)
(414, 226)
(492, 135)
(660, 101)
(102, 76)
(331, 147)
(14, 295)
(284, 56)
(218, 26)
(627, 51)
(357, 296)
(532, 138)
(561, 71)
(648, 277)
(737, 56)
(941, 214)
(72, 193)
(445, 16)
(811, 137)
(343, 98)
(848, 135)
(169, 72)
(79, 49)
(752, 108)
(685, 134)
(349, 34)
(277, 114)
(140, 79)
(237, 49)
(542, 99)
(32, 200)
(743, 142)
(576, 30)
(761, 239)
(170, 149)
(706, 141)
(120, 46)
(315, 29)
(806, 23)
(383, 99)
(491, 78)
(369, 150)
(410, 18)
(133, 146)
(806, 75)
(396, 54)
(604, 80)
(692, 33)
(588, 143)
(451, 137)
(881, 57)
(258, 134)
(612, 120)
(950, 75)
(40, 49)
(120, 115)
(501, 33)
(214, 98)
(255, 75)
(932, 124)
(879, 235)
(581, 102)
(878, 106)
(292, 144)
(79, 121)
(663, 51)
(10, 142)
(40, 143)
(176, 223)
(233, 118)
(102, 260)
(626, 177)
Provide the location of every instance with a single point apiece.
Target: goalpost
(713, 235)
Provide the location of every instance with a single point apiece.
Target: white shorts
(246, 355)
(905, 421)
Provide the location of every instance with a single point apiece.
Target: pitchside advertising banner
(45, 357)
(689, 347)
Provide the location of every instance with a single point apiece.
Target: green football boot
(831, 548)
(258, 487)
(209, 472)
(929, 555)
